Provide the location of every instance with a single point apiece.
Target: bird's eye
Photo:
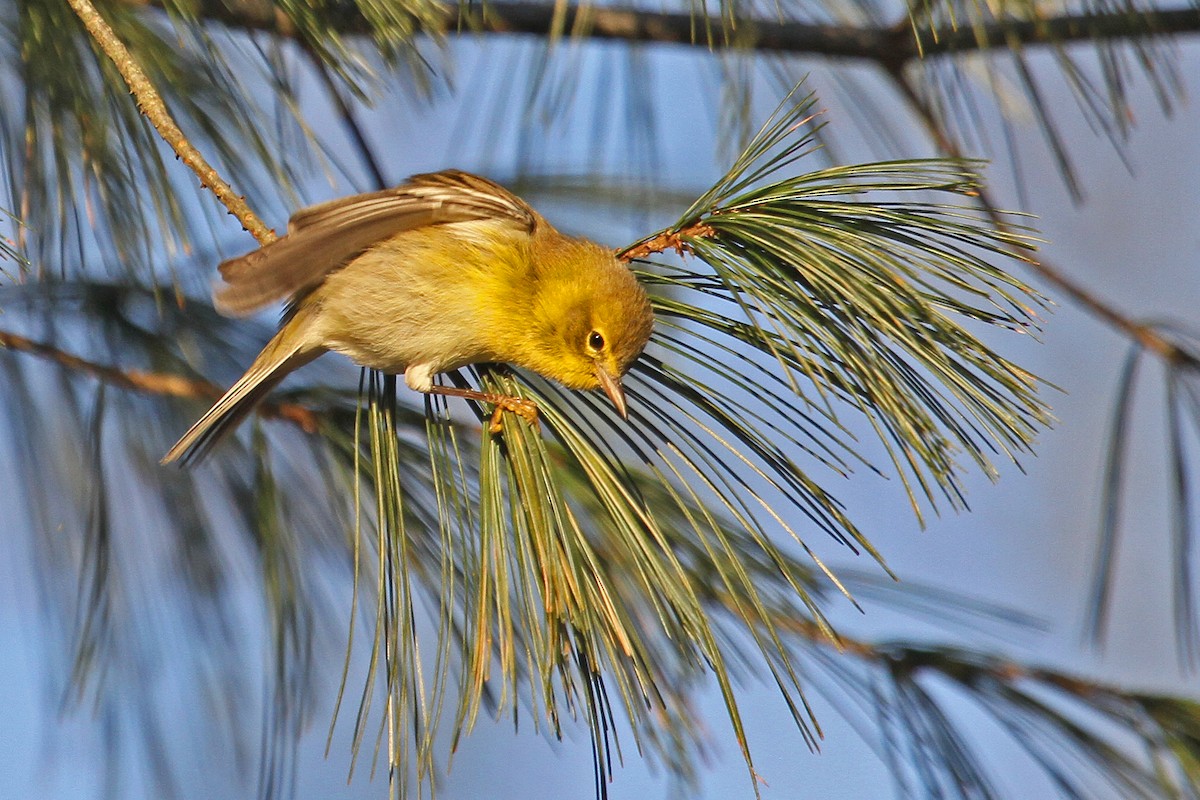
(596, 340)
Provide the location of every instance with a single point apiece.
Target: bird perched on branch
(445, 270)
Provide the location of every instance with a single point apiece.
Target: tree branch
(154, 383)
(1145, 335)
(662, 241)
(152, 106)
(885, 45)
(890, 45)
(970, 668)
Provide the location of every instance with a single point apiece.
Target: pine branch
(886, 45)
(151, 104)
(1064, 723)
(1146, 335)
(911, 658)
(1180, 354)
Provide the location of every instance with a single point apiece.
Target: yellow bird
(445, 270)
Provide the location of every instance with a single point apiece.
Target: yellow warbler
(445, 270)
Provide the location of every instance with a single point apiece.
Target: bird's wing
(326, 237)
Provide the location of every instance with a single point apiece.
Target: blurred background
(169, 691)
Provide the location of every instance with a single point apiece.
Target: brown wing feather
(325, 237)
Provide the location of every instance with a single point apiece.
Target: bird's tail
(287, 351)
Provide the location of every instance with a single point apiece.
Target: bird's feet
(526, 409)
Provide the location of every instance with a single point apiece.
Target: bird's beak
(612, 387)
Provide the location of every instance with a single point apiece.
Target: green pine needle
(596, 569)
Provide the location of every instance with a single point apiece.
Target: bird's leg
(503, 402)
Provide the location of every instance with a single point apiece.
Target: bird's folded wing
(325, 237)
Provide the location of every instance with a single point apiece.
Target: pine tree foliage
(819, 321)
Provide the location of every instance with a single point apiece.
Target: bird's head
(589, 318)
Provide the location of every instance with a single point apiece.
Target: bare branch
(662, 241)
(1145, 335)
(889, 45)
(152, 106)
(154, 383)
(885, 45)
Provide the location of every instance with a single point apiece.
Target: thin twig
(1145, 335)
(662, 241)
(152, 106)
(155, 383)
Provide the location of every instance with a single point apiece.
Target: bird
(445, 270)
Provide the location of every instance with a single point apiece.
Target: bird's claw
(526, 409)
